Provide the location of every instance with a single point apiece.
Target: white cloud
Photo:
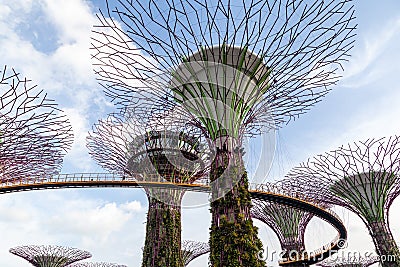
(92, 221)
(64, 72)
(68, 218)
(368, 51)
(73, 18)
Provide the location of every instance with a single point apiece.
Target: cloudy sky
(48, 41)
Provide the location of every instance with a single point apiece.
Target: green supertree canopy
(363, 177)
(230, 68)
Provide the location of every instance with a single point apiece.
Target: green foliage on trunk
(234, 239)
(163, 236)
(385, 244)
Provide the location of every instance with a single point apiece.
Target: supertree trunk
(163, 235)
(292, 250)
(233, 237)
(385, 244)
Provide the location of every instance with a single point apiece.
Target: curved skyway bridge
(257, 191)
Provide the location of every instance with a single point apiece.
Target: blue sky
(48, 42)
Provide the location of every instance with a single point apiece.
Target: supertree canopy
(287, 222)
(193, 249)
(50, 256)
(95, 264)
(123, 145)
(362, 177)
(349, 262)
(34, 135)
(231, 68)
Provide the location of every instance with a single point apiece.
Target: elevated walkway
(257, 191)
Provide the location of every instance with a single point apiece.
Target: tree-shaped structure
(50, 256)
(193, 249)
(95, 264)
(362, 177)
(34, 135)
(288, 223)
(231, 68)
(126, 146)
(349, 262)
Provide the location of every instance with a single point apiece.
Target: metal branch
(34, 134)
(363, 177)
(50, 256)
(193, 249)
(174, 153)
(288, 223)
(138, 47)
(95, 264)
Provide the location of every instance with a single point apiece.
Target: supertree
(95, 264)
(363, 177)
(349, 262)
(232, 68)
(289, 223)
(193, 249)
(50, 256)
(34, 135)
(137, 151)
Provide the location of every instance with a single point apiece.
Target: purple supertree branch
(364, 178)
(34, 134)
(121, 142)
(54, 256)
(193, 249)
(353, 159)
(303, 43)
(288, 223)
(108, 143)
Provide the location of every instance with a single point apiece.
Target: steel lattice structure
(363, 177)
(34, 134)
(258, 191)
(95, 264)
(350, 262)
(50, 256)
(193, 249)
(293, 51)
(146, 152)
(289, 223)
(230, 68)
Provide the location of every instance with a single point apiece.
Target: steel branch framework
(171, 153)
(291, 49)
(362, 177)
(126, 146)
(350, 262)
(95, 264)
(34, 134)
(258, 191)
(193, 249)
(50, 256)
(230, 68)
(289, 223)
